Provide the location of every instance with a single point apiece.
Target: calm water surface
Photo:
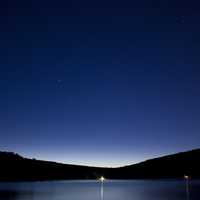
(93, 190)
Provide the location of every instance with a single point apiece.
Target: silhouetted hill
(14, 167)
(171, 166)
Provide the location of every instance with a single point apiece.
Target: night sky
(103, 83)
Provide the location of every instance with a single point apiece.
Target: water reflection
(93, 190)
(187, 189)
(102, 188)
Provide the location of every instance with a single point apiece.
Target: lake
(93, 190)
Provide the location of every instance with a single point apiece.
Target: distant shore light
(102, 179)
(186, 177)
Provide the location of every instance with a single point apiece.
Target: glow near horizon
(106, 158)
(98, 160)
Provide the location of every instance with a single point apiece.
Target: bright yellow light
(102, 179)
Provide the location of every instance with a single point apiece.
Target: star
(181, 19)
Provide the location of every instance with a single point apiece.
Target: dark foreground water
(93, 190)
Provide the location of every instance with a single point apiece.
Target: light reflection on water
(102, 190)
(94, 190)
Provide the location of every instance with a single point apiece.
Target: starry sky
(102, 83)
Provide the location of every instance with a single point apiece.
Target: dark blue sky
(102, 83)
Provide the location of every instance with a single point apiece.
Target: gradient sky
(103, 83)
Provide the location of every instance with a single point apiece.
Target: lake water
(93, 190)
